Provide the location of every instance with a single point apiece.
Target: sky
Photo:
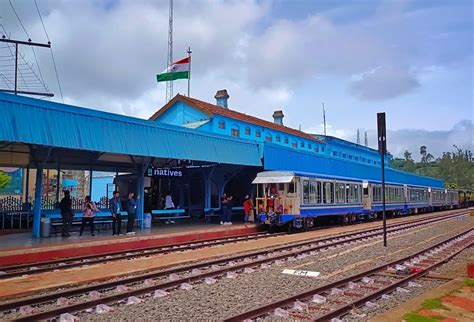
(411, 59)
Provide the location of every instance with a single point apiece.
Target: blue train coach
(299, 199)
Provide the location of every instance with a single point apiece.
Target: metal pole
(58, 180)
(27, 185)
(382, 140)
(90, 182)
(383, 203)
(189, 73)
(16, 68)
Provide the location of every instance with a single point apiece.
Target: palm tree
(407, 155)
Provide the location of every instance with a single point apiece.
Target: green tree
(4, 180)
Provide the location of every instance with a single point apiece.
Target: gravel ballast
(230, 296)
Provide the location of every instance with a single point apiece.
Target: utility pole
(26, 43)
(366, 141)
(169, 84)
(358, 136)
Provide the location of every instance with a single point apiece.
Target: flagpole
(189, 73)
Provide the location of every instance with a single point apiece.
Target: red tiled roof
(211, 109)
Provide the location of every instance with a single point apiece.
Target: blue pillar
(38, 197)
(140, 195)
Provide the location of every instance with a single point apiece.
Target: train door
(366, 195)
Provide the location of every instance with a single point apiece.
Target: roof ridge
(278, 127)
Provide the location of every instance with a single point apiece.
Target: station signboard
(165, 172)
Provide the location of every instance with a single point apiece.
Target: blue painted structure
(280, 158)
(72, 127)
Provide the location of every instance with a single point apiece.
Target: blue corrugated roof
(281, 158)
(33, 121)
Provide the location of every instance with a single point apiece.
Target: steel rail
(139, 278)
(18, 270)
(264, 309)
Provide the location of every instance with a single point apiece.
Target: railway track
(155, 283)
(340, 298)
(34, 268)
(61, 264)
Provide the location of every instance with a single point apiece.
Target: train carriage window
(306, 191)
(319, 192)
(340, 193)
(312, 192)
(291, 187)
(328, 192)
(281, 187)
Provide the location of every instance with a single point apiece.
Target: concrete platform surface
(58, 248)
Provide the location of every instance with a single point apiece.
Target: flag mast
(189, 73)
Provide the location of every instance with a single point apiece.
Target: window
(334, 153)
(285, 140)
(353, 193)
(322, 149)
(356, 158)
(268, 138)
(340, 193)
(278, 138)
(350, 156)
(363, 159)
(302, 144)
(294, 145)
(315, 192)
(328, 192)
(309, 146)
(258, 133)
(344, 155)
(235, 133)
(316, 149)
(221, 124)
(306, 191)
(248, 131)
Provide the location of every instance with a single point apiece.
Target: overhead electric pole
(169, 84)
(17, 44)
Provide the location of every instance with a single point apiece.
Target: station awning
(27, 122)
(276, 179)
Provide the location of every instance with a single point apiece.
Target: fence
(15, 214)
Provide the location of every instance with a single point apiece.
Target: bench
(101, 219)
(167, 214)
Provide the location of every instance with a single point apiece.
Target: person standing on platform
(88, 212)
(131, 212)
(169, 205)
(66, 213)
(248, 209)
(115, 210)
(226, 202)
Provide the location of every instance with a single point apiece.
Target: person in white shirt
(169, 204)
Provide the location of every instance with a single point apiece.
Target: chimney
(278, 117)
(221, 98)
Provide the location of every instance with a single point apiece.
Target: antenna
(358, 136)
(324, 120)
(169, 84)
(366, 140)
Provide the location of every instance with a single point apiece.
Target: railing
(282, 205)
(15, 214)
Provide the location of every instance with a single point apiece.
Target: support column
(27, 184)
(58, 181)
(90, 183)
(38, 197)
(140, 195)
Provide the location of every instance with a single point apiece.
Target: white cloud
(384, 82)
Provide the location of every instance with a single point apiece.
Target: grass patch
(469, 282)
(415, 317)
(432, 304)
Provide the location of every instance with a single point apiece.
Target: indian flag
(177, 70)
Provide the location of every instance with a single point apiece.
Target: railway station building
(195, 149)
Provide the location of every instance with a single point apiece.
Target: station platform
(22, 248)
